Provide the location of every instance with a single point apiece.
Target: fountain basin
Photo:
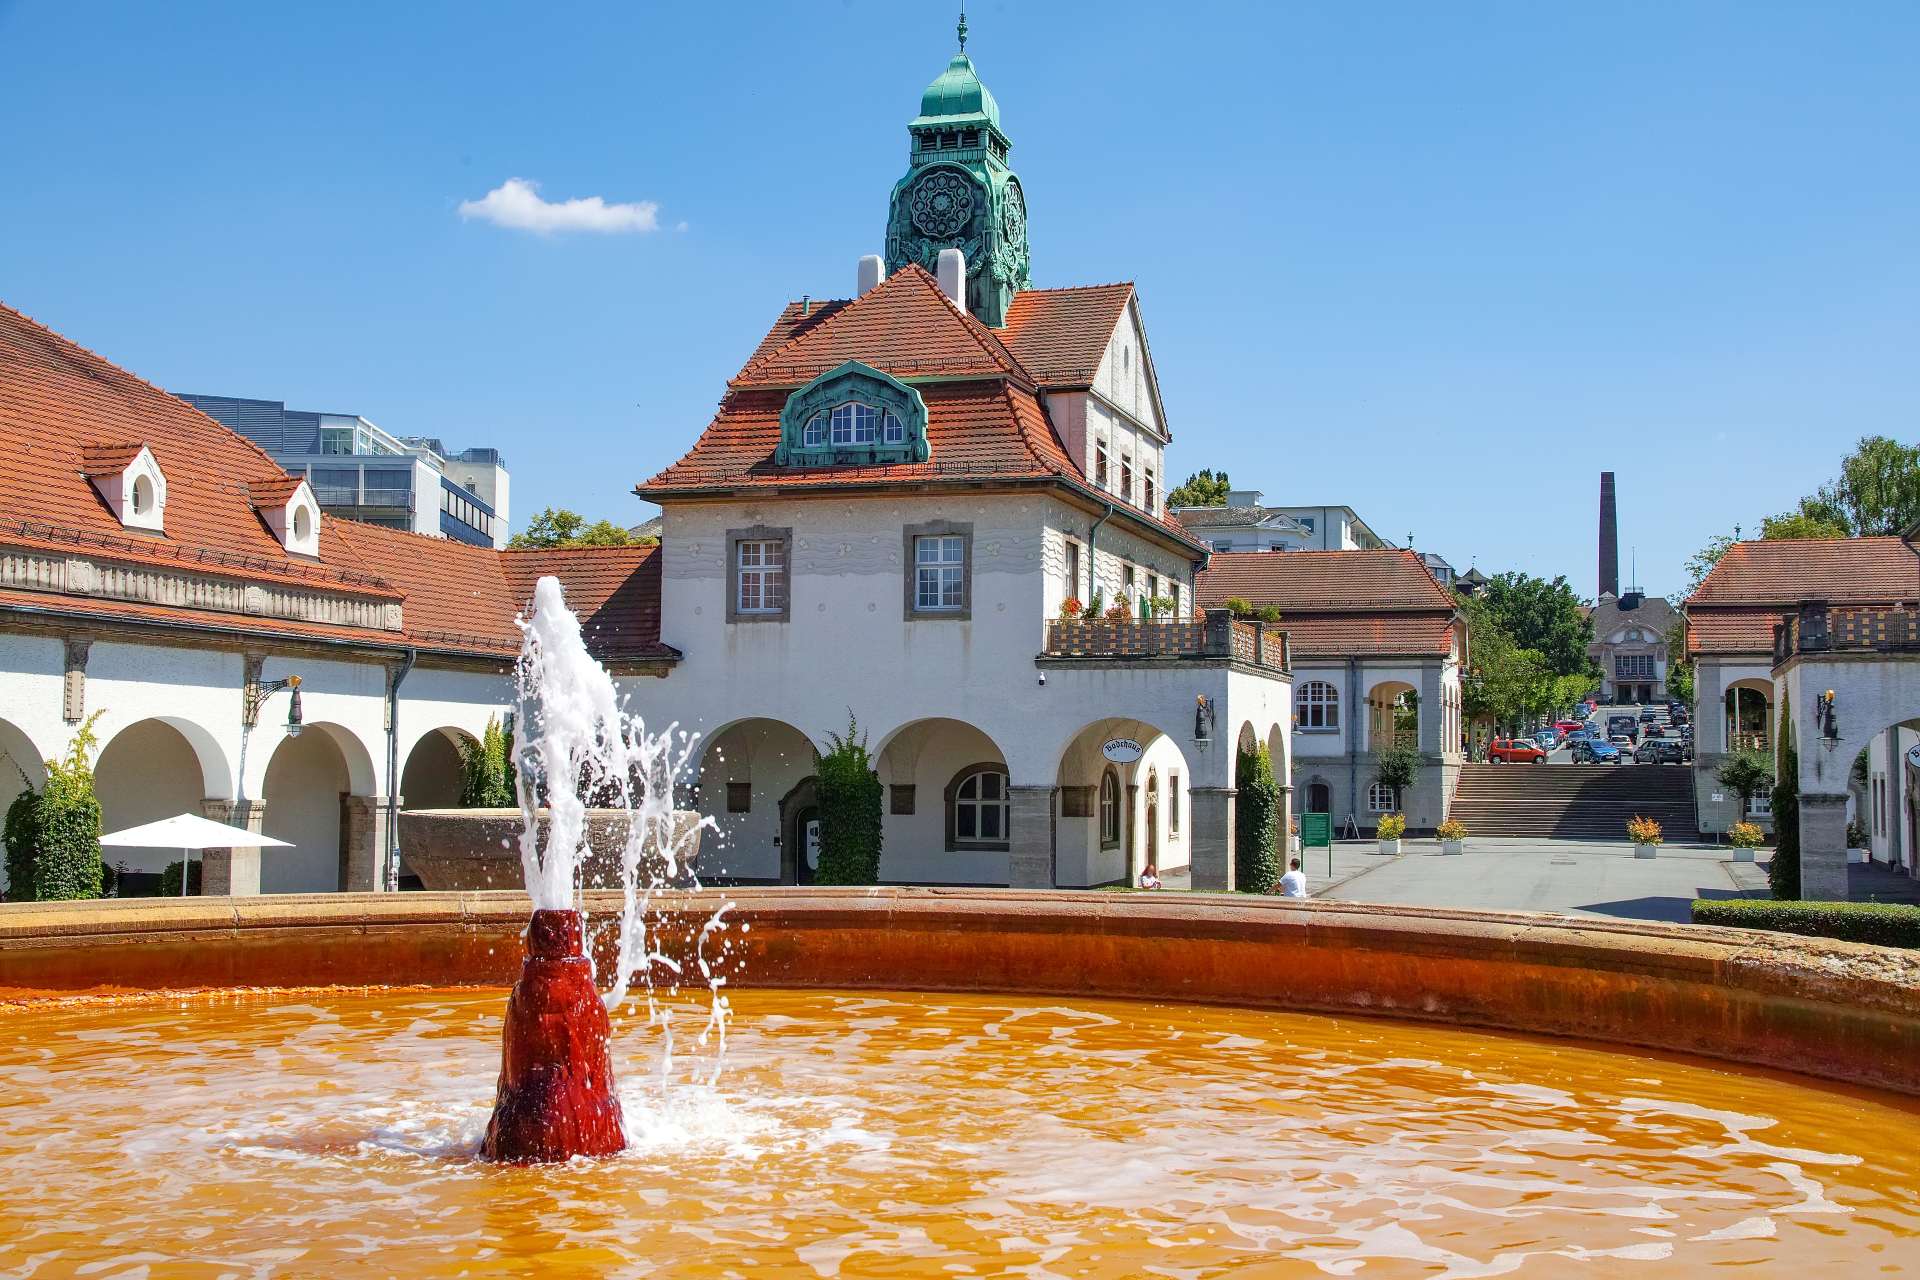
(464, 849)
(1842, 1011)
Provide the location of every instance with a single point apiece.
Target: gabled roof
(904, 326)
(1789, 570)
(1339, 603)
(267, 494)
(1061, 335)
(614, 590)
(67, 414)
(1224, 517)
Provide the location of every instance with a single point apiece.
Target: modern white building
(1244, 523)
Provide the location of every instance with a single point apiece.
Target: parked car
(1659, 751)
(1548, 739)
(1566, 728)
(1597, 751)
(1648, 715)
(1619, 725)
(1515, 751)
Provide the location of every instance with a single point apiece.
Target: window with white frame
(1146, 488)
(1380, 798)
(1100, 463)
(1126, 477)
(1317, 706)
(762, 580)
(1109, 809)
(979, 807)
(940, 572)
(1073, 571)
(1760, 804)
(1173, 804)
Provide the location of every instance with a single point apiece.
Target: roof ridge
(988, 341)
(824, 326)
(1026, 434)
(88, 353)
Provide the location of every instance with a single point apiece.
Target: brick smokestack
(1609, 539)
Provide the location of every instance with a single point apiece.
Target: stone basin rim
(1837, 1010)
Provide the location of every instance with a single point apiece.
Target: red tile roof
(65, 413)
(95, 607)
(1748, 630)
(905, 327)
(1339, 603)
(1061, 335)
(270, 494)
(614, 590)
(1787, 571)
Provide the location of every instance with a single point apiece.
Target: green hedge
(850, 827)
(1256, 821)
(1883, 923)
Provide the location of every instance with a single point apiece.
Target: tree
(1397, 767)
(1811, 519)
(1202, 489)
(559, 527)
(1744, 773)
(1701, 562)
(486, 770)
(1505, 682)
(1544, 617)
(1878, 491)
(850, 827)
(1783, 873)
(1679, 665)
(1256, 822)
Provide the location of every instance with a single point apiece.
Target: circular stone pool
(869, 1132)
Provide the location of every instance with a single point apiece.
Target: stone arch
(1393, 714)
(745, 776)
(432, 770)
(1747, 714)
(305, 788)
(19, 754)
(922, 765)
(151, 769)
(1085, 852)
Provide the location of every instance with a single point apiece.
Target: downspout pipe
(391, 878)
(1093, 578)
(1354, 723)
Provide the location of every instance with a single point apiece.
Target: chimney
(873, 269)
(952, 274)
(1609, 539)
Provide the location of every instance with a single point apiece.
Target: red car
(1567, 726)
(1515, 751)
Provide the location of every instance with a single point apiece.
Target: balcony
(1818, 628)
(1218, 636)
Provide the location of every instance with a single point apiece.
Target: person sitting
(1294, 883)
(1150, 877)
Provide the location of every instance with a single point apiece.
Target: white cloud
(516, 203)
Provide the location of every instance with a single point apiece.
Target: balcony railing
(1819, 628)
(1218, 635)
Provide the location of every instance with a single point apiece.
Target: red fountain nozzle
(556, 1097)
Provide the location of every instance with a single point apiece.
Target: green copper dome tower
(958, 192)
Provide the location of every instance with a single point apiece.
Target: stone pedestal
(1823, 847)
(1030, 851)
(363, 824)
(1210, 810)
(232, 872)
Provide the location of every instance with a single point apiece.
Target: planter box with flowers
(1745, 837)
(1452, 836)
(1392, 826)
(1645, 834)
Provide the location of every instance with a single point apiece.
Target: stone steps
(1581, 802)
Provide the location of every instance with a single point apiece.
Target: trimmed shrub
(1746, 773)
(1643, 830)
(53, 836)
(1256, 822)
(1746, 835)
(1881, 923)
(1783, 873)
(1267, 613)
(850, 793)
(1451, 829)
(1391, 826)
(22, 833)
(170, 880)
(1397, 767)
(1239, 606)
(486, 770)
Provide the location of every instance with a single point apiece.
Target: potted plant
(1071, 609)
(1293, 835)
(1452, 835)
(1118, 612)
(1392, 827)
(1645, 834)
(1859, 843)
(1745, 837)
(1160, 606)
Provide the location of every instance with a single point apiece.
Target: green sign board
(1316, 830)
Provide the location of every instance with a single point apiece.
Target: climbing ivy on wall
(1256, 822)
(850, 794)
(53, 835)
(1783, 873)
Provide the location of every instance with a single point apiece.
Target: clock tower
(958, 192)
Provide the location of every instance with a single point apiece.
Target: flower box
(1646, 850)
(1390, 846)
(1453, 846)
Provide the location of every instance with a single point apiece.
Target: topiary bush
(170, 880)
(66, 862)
(486, 770)
(850, 794)
(1881, 923)
(1783, 873)
(1256, 823)
(1397, 767)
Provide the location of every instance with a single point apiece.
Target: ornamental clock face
(942, 204)
(1013, 217)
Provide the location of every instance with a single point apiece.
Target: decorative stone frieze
(73, 707)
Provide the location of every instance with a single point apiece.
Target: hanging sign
(1122, 750)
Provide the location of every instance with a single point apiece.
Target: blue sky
(1442, 263)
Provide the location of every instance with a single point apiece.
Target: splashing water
(577, 749)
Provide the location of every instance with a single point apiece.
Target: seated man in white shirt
(1294, 883)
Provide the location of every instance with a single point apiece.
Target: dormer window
(291, 511)
(851, 416)
(128, 478)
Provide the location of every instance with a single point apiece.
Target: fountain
(557, 1095)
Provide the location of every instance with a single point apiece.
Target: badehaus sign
(1122, 750)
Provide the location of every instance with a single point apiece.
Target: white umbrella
(187, 832)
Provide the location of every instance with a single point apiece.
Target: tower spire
(962, 28)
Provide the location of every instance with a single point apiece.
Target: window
(1761, 805)
(900, 795)
(1173, 804)
(1380, 798)
(1109, 809)
(939, 567)
(892, 430)
(977, 808)
(816, 430)
(1173, 594)
(1073, 571)
(758, 568)
(855, 423)
(1127, 586)
(142, 495)
(336, 440)
(1126, 478)
(1318, 706)
(1153, 585)
(1100, 463)
(1633, 666)
(1146, 488)
(939, 570)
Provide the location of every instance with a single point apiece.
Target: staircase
(1574, 801)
